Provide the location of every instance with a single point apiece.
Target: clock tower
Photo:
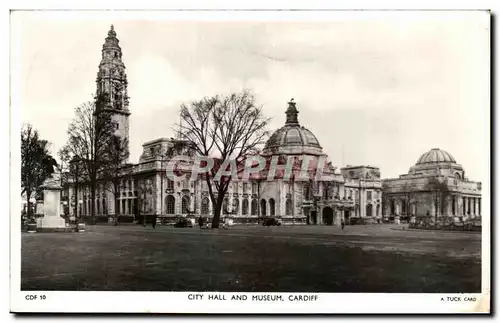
(111, 79)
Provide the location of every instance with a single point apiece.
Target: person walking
(154, 221)
(342, 224)
(200, 222)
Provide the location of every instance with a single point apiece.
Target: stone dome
(293, 138)
(434, 156)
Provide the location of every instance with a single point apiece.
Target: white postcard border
(178, 302)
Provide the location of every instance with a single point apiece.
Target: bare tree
(440, 191)
(89, 136)
(225, 128)
(116, 156)
(72, 171)
(36, 163)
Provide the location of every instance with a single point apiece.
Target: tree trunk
(92, 200)
(75, 212)
(28, 197)
(217, 211)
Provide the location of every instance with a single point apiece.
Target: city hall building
(352, 193)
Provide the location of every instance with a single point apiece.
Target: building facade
(350, 194)
(435, 186)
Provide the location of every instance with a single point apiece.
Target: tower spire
(292, 114)
(112, 81)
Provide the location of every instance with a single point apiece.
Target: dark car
(183, 223)
(271, 222)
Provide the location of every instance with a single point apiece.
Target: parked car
(271, 222)
(183, 223)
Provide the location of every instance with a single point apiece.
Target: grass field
(371, 258)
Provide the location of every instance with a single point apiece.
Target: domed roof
(292, 138)
(436, 155)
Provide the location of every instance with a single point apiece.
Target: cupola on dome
(293, 138)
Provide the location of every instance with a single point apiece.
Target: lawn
(372, 258)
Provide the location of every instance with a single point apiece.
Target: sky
(375, 88)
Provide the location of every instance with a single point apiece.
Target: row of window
(125, 206)
(205, 206)
(468, 206)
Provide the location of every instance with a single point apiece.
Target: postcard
(239, 161)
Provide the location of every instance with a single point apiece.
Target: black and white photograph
(250, 161)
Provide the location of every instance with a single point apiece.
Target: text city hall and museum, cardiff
(435, 186)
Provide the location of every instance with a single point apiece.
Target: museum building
(436, 186)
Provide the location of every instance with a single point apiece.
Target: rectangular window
(254, 188)
(369, 195)
(170, 184)
(245, 188)
(235, 188)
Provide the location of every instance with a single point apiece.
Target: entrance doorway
(328, 216)
(314, 217)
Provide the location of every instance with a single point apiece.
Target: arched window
(369, 209)
(458, 176)
(263, 207)
(403, 207)
(225, 206)
(205, 206)
(244, 207)
(393, 207)
(272, 206)
(185, 204)
(288, 207)
(255, 207)
(236, 206)
(170, 204)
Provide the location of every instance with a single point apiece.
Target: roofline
(360, 166)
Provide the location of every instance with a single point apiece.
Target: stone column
(475, 206)
(449, 206)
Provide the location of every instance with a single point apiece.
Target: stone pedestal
(51, 207)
